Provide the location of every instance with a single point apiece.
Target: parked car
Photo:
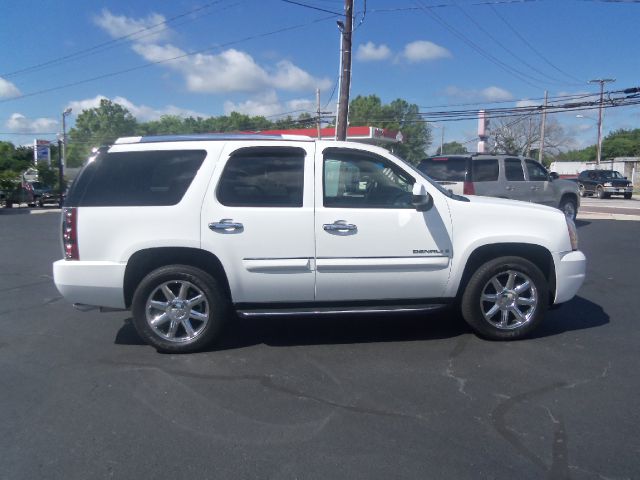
(503, 176)
(188, 231)
(604, 183)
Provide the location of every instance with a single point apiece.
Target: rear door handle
(340, 226)
(509, 188)
(535, 188)
(226, 225)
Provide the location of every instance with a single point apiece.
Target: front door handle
(535, 188)
(340, 226)
(226, 225)
(509, 188)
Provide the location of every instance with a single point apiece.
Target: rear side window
(128, 179)
(263, 177)
(485, 170)
(445, 168)
(513, 169)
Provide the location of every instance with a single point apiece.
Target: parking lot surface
(398, 396)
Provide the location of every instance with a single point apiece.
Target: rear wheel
(505, 299)
(179, 309)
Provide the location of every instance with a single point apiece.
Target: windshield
(413, 168)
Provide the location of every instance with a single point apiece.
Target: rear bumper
(571, 269)
(90, 283)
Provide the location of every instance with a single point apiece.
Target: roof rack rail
(199, 137)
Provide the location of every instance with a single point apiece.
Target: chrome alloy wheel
(509, 300)
(177, 311)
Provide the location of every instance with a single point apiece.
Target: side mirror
(553, 176)
(421, 200)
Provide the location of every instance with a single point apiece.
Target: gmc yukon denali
(189, 231)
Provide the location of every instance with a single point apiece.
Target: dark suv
(503, 176)
(604, 183)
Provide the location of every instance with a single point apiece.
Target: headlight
(607, 184)
(573, 233)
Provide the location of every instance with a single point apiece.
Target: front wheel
(583, 192)
(179, 309)
(627, 196)
(505, 299)
(569, 208)
(601, 194)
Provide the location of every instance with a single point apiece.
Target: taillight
(70, 233)
(468, 189)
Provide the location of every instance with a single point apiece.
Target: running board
(314, 311)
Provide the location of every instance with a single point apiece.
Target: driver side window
(353, 179)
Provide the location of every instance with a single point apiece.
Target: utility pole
(318, 111)
(345, 72)
(601, 81)
(542, 126)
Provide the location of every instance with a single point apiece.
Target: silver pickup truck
(503, 176)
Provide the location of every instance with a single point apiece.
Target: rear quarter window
(446, 168)
(485, 170)
(124, 179)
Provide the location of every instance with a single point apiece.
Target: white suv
(187, 230)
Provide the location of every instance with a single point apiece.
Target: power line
(90, 50)
(157, 62)
(526, 42)
(509, 51)
(311, 7)
(512, 71)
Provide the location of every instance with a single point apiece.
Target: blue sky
(267, 57)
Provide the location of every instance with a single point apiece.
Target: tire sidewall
(564, 202)
(218, 307)
(470, 303)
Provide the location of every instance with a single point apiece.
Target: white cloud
(269, 105)
(370, 52)
(18, 123)
(528, 103)
(496, 94)
(229, 71)
(489, 94)
(142, 113)
(424, 51)
(8, 89)
(151, 28)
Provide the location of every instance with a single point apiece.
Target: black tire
(569, 208)
(600, 193)
(204, 318)
(583, 192)
(627, 196)
(477, 312)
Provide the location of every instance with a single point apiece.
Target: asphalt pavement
(400, 396)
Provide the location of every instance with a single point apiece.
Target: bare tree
(521, 135)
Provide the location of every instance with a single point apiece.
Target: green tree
(98, 126)
(452, 148)
(398, 115)
(15, 159)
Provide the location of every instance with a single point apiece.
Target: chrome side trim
(338, 311)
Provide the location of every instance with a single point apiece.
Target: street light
(62, 154)
(601, 81)
(441, 127)
(66, 112)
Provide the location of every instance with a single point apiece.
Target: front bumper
(571, 270)
(90, 283)
(618, 190)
